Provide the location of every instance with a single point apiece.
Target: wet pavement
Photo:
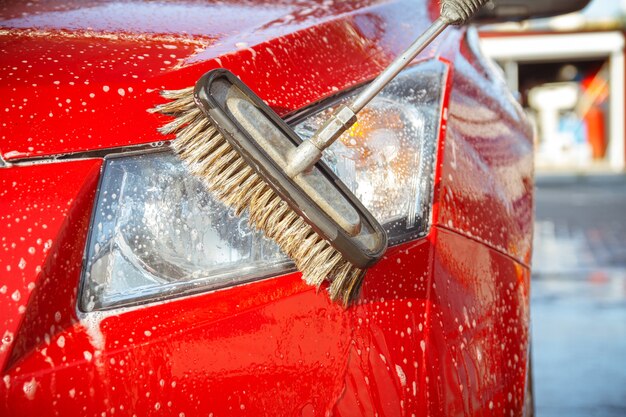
(579, 297)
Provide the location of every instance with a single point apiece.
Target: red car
(127, 290)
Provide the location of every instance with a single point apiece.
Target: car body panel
(44, 213)
(93, 101)
(443, 334)
(486, 178)
(441, 327)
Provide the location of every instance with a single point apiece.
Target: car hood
(79, 76)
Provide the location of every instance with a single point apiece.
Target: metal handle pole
(310, 151)
(398, 65)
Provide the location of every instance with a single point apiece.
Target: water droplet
(29, 388)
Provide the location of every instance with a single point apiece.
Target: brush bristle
(226, 174)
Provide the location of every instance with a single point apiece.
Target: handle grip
(459, 12)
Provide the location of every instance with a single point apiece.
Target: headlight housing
(156, 233)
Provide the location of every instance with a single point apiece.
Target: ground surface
(579, 298)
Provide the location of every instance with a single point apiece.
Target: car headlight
(156, 233)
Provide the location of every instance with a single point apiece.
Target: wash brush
(252, 160)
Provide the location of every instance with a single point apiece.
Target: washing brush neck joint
(310, 151)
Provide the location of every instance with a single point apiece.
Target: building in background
(569, 72)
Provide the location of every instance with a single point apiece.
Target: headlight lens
(156, 233)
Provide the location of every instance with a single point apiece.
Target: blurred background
(569, 75)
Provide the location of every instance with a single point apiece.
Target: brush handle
(453, 12)
(398, 65)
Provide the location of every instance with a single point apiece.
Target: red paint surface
(278, 348)
(77, 81)
(44, 215)
(486, 178)
(442, 325)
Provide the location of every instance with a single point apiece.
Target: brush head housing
(266, 142)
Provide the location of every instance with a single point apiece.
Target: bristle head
(226, 174)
